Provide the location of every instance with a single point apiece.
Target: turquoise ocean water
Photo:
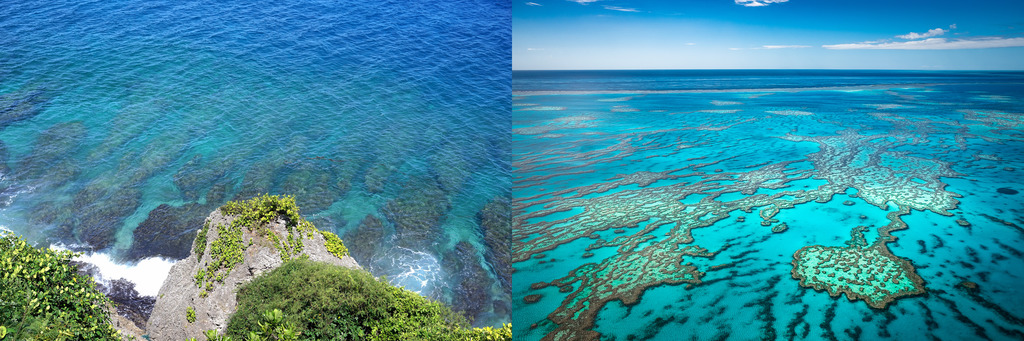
(124, 123)
(748, 204)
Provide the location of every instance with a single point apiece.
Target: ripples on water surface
(124, 123)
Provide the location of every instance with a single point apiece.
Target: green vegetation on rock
(43, 298)
(258, 212)
(334, 244)
(200, 244)
(256, 215)
(190, 314)
(326, 302)
(225, 253)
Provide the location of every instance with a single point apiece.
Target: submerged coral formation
(619, 202)
(861, 271)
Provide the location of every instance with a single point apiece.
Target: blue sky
(768, 34)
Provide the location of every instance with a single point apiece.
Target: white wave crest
(148, 274)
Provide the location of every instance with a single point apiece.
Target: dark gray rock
(168, 232)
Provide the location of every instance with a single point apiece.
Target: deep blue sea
(768, 204)
(124, 123)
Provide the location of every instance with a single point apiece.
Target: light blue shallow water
(598, 152)
(388, 115)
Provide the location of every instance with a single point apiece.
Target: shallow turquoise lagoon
(922, 171)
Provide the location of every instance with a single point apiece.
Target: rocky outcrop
(128, 303)
(417, 213)
(128, 310)
(471, 294)
(168, 232)
(365, 242)
(213, 301)
(496, 226)
(22, 105)
(129, 330)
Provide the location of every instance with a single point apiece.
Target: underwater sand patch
(995, 98)
(617, 99)
(886, 106)
(719, 111)
(791, 112)
(542, 108)
(577, 118)
(760, 95)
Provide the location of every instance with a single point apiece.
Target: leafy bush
(272, 328)
(190, 314)
(327, 302)
(334, 244)
(43, 298)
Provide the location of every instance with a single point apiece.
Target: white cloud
(758, 3)
(620, 9)
(583, 2)
(691, 44)
(931, 33)
(534, 49)
(933, 44)
(771, 47)
(533, 4)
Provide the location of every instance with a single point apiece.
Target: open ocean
(124, 123)
(768, 204)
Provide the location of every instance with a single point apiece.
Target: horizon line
(790, 69)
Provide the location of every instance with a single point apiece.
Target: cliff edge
(237, 243)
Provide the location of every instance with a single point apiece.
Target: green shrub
(190, 314)
(334, 244)
(43, 298)
(491, 334)
(327, 302)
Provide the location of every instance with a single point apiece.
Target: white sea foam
(420, 271)
(148, 274)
